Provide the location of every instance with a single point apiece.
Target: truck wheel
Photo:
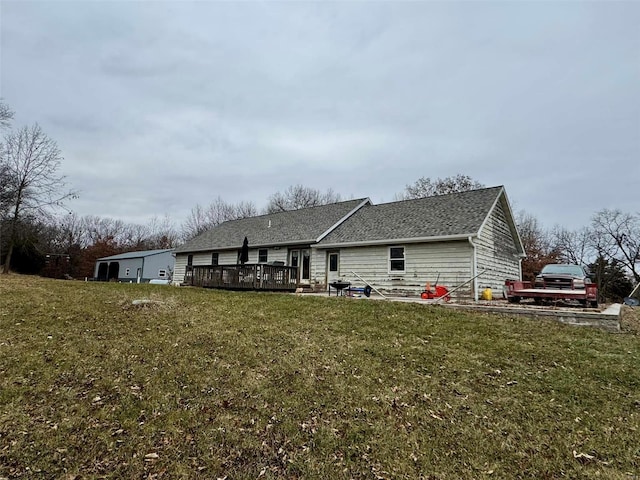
(514, 299)
(537, 300)
(593, 304)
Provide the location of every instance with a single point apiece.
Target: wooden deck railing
(242, 277)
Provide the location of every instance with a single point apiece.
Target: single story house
(136, 267)
(467, 241)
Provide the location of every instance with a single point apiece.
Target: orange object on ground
(439, 291)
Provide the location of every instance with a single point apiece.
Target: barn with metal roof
(136, 267)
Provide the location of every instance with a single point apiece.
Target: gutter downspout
(520, 268)
(474, 268)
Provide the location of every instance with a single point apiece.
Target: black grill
(562, 283)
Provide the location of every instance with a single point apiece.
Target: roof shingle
(291, 227)
(455, 214)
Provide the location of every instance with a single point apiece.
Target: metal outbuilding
(136, 267)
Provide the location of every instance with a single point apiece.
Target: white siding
(318, 268)
(199, 258)
(273, 255)
(179, 268)
(226, 257)
(496, 252)
(423, 262)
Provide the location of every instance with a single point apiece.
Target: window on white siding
(262, 255)
(333, 262)
(396, 259)
(190, 260)
(162, 273)
(215, 257)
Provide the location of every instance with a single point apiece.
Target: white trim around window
(396, 259)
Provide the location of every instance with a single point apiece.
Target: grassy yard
(211, 384)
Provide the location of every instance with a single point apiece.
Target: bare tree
(103, 230)
(201, 219)
(297, 196)
(163, 233)
(195, 224)
(67, 233)
(537, 244)
(618, 236)
(135, 236)
(6, 115)
(425, 187)
(245, 210)
(32, 160)
(6, 194)
(575, 246)
(6, 190)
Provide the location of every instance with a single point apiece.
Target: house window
(262, 255)
(215, 257)
(333, 262)
(396, 259)
(190, 260)
(162, 273)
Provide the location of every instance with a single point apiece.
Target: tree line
(39, 234)
(609, 246)
(35, 237)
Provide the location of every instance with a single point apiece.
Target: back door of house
(301, 258)
(333, 267)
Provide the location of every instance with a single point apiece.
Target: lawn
(237, 385)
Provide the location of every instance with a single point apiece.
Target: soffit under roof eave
(390, 241)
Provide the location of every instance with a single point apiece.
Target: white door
(333, 267)
(301, 259)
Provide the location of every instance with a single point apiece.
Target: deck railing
(242, 277)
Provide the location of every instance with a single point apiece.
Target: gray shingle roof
(140, 254)
(455, 214)
(296, 226)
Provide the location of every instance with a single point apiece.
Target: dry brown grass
(209, 384)
(630, 319)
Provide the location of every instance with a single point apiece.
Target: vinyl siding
(179, 268)
(423, 262)
(273, 255)
(496, 252)
(318, 268)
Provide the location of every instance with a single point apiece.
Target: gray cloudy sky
(158, 106)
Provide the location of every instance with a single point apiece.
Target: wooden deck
(242, 277)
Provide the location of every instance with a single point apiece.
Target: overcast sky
(159, 106)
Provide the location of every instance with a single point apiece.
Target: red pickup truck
(555, 282)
